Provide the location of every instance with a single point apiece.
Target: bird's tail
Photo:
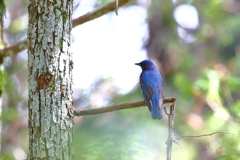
(156, 109)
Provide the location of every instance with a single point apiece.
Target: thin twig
(203, 135)
(79, 112)
(116, 10)
(98, 13)
(171, 137)
(20, 46)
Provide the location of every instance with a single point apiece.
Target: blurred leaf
(9, 115)
(183, 84)
(2, 81)
(215, 123)
(202, 83)
(17, 25)
(236, 108)
(234, 83)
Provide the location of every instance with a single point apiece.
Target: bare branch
(203, 135)
(116, 10)
(171, 137)
(79, 112)
(11, 50)
(14, 49)
(98, 13)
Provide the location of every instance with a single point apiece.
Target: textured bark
(50, 79)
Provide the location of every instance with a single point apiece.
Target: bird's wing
(148, 92)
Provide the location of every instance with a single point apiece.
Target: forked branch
(113, 6)
(172, 138)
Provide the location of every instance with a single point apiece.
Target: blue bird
(152, 87)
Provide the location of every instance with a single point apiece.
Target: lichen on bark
(50, 79)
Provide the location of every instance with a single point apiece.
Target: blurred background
(196, 46)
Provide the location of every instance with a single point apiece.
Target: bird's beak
(137, 64)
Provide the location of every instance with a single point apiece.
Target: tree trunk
(50, 79)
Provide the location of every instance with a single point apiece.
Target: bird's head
(147, 65)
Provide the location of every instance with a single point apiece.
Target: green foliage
(183, 84)
(17, 25)
(236, 108)
(234, 83)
